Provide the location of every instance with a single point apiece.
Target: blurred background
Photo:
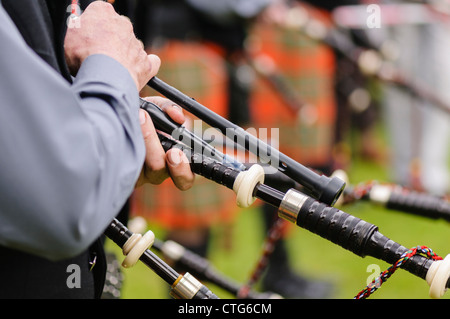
(356, 86)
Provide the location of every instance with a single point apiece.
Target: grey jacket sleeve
(69, 154)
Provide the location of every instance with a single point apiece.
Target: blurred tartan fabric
(308, 67)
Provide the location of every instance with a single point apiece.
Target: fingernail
(178, 109)
(142, 116)
(174, 158)
(177, 106)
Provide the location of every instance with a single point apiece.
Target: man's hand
(158, 164)
(102, 31)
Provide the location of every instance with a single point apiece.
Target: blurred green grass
(311, 256)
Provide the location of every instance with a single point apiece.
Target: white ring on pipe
(437, 277)
(245, 184)
(135, 246)
(130, 243)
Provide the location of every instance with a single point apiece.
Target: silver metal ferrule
(186, 288)
(291, 204)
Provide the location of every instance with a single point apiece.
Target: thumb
(155, 63)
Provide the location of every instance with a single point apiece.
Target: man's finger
(155, 62)
(155, 165)
(179, 169)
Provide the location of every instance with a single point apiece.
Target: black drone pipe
(323, 188)
(399, 198)
(347, 231)
(395, 197)
(183, 287)
(202, 268)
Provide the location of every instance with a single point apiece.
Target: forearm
(70, 154)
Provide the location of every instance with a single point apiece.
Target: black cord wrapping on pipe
(203, 165)
(420, 204)
(356, 235)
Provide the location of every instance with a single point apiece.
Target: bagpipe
(310, 208)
